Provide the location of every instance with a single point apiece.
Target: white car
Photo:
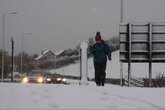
(34, 77)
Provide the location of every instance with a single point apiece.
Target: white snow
(139, 70)
(51, 96)
(42, 54)
(58, 52)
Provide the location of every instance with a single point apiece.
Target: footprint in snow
(54, 106)
(105, 93)
(35, 100)
(46, 96)
(104, 98)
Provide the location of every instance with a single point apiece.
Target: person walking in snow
(100, 51)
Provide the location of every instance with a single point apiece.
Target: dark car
(55, 78)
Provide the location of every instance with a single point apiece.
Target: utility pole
(3, 46)
(12, 58)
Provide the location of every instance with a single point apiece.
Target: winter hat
(98, 36)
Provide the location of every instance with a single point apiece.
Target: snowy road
(42, 96)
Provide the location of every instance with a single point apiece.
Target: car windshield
(35, 74)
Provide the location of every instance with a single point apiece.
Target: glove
(109, 58)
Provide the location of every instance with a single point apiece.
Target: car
(55, 79)
(34, 77)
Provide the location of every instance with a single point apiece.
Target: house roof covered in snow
(44, 52)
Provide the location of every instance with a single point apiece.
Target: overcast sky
(62, 24)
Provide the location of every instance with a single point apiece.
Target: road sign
(141, 43)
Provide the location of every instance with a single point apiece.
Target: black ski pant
(100, 73)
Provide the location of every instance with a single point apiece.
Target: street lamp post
(121, 11)
(22, 49)
(3, 42)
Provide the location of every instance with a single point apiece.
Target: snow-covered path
(42, 96)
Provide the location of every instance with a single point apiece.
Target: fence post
(121, 74)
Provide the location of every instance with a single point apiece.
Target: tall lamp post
(121, 11)
(22, 49)
(3, 42)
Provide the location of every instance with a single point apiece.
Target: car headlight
(40, 80)
(58, 79)
(25, 80)
(48, 79)
(64, 80)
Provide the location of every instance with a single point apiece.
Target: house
(48, 55)
(54, 59)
